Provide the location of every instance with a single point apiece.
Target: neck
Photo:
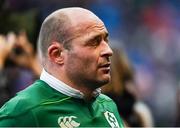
(87, 92)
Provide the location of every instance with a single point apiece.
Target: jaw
(104, 75)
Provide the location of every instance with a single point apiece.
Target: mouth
(105, 67)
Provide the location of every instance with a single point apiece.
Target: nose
(107, 51)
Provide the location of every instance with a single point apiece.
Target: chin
(100, 83)
(106, 80)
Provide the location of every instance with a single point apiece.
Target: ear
(55, 53)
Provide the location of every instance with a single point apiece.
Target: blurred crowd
(147, 31)
(19, 65)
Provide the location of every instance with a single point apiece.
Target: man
(74, 50)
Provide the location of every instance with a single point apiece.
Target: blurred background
(147, 30)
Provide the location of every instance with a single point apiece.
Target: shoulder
(110, 107)
(23, 101)
(105, 98)
(17, 112)
(107, 103)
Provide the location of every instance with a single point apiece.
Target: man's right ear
(55, 53)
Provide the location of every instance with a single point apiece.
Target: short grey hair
(54, 28)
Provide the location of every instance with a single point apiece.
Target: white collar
(62, 87)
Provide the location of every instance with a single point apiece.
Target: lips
(105, 66)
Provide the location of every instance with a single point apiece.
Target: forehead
(90, 28)
(96, 26)
(85, 22)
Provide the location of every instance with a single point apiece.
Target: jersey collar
(62, 87)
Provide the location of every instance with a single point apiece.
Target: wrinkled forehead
(88, 26)
(85, 23)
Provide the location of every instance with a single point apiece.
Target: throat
(88, 94)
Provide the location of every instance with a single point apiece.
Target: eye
(106, 38)
(95, 41)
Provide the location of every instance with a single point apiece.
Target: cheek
(87, 62)
(83, 61)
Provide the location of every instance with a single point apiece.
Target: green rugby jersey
(39, 105)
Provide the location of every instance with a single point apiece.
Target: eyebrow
(105, 34)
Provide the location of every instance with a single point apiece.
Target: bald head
(61, 25)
